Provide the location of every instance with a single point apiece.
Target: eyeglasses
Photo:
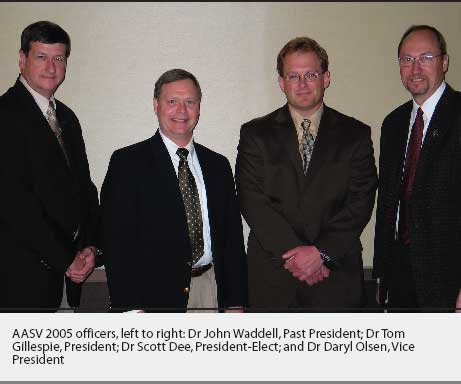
(424, 60)
(296, 77)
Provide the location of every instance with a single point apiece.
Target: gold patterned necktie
(307, 144)
(191, 201)
(54, 124)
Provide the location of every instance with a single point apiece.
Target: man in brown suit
(306, 181)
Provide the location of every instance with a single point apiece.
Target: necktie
(191, 201)
(411, 162)
(54, 124)
(307, 144)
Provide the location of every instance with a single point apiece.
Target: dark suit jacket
(42, 202)
(144, 230)
(435, 206)
(328, 208)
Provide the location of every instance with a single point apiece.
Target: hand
(319, 276)
(234, 310)
(381, 291)
(458, 302)
(83, 265)
(304, 263)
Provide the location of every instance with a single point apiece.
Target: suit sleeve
(21, 213)
(270, 227)
(344, 228)
(235, 266)
(89, 192)
(117, 227)
(379, 259)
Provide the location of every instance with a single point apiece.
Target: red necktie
(411, 162)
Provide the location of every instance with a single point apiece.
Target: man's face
(422, 81)
(303, 96)
(44, 68)
(178, 110)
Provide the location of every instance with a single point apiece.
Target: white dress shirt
(41, 100)
(428, 108)
(194, 166)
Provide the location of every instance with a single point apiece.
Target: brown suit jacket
(328, 208)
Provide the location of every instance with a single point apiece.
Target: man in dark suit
(171, 227)
(48, 204)
(418, 220)
(306, 181)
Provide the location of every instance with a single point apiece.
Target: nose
(181, 107)
(416, 67)
(50, 66)
(302, 82)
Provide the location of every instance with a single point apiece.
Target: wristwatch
(327, 260)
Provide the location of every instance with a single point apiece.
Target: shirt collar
(172, 147)
(429, 105)
(41, 100)
(315, 119)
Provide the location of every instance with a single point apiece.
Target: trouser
(203, 293)
(402, 292)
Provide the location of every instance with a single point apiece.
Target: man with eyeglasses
(418, 222)
(306, 182)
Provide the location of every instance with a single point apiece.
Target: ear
(445, 62)
(155, 103)
(282, 84)
(22, 60)
(326, 79)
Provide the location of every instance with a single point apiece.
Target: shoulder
(15, 98)
(352, 127)
(401, 112)
(210, 156)
(63, 110)
(263, 122)
(133, 152)
(333, 114)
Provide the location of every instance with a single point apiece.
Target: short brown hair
(438, 36)
(44, 32)
(302, 44)
(175, 75)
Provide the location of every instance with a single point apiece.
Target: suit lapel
(285, 133)
(43, 136)
(163, 173)
(65, 127)
(213, 188)
(398, 144)
(164, 169)
(325, 142)
(439, 127)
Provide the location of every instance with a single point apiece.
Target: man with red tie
(418, 220)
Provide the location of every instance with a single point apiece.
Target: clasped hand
(82, 265)
(305, 264)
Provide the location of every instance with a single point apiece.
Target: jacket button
(186, 290)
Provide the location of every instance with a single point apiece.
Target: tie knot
(306, 123)
(51, 107)
(419, 113)
(182, 153)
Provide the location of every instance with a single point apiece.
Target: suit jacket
(435, 205)
(42, 202)
(328, 207)
(144, 230)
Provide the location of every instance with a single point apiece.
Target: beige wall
(119, 50)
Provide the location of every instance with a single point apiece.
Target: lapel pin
(435, 133)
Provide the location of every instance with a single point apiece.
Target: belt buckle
(195, 272)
